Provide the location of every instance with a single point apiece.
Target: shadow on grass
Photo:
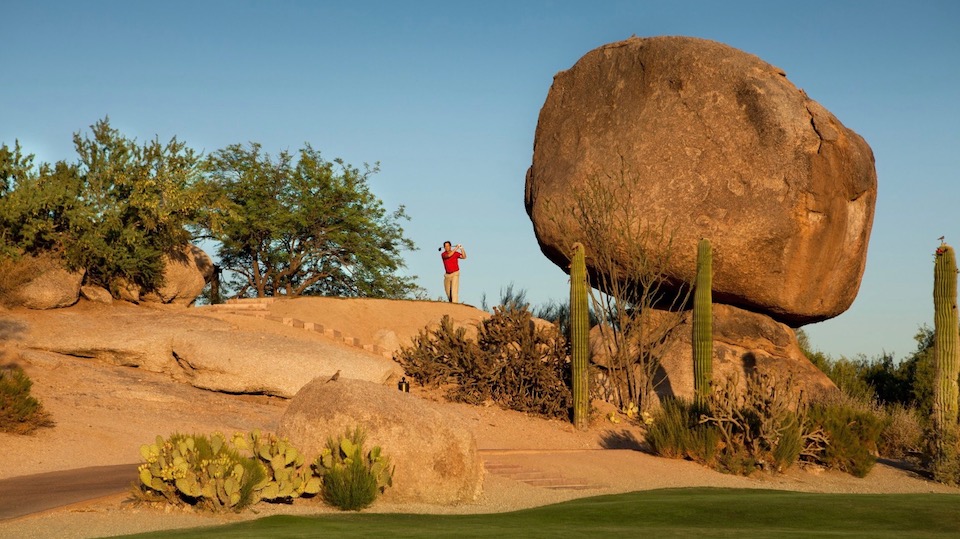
(699, 512)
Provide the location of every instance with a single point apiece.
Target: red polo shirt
(450, 263)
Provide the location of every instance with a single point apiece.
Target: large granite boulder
(743, 342)
(707, 141)
(435, 458)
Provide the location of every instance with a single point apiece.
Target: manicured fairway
(703, 512)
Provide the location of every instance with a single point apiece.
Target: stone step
(534, 476)
(259, 308)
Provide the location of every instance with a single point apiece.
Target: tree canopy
(290, 226)
(303, 226)
(113, 213)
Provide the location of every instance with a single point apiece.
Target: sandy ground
(103, 414)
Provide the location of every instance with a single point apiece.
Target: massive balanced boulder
(706, 141)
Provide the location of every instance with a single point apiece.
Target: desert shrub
(762, 427)
(902, 435)
(217, 474)
(514, 362)
(677, 433)
(20, 413)
(945, 451)
(351, 478)
(852, 430)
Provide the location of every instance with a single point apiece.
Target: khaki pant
(451, 285)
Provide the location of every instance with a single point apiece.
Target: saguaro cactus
(579, 337)
(946, 339)
(703, 323)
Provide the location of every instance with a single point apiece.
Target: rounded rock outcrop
(435, 458)
(705, 141)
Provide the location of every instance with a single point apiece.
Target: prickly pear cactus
(703, 323)
(200, 470)
(288, 475)
(579, 337)
(946, 338)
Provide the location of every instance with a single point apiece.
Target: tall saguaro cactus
(946, 340)
(703, 323)
(579, 337)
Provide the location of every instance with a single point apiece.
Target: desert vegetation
(512, 361)
(291, 225)
(20, 412)
(217, 474)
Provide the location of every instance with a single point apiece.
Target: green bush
(114, 213)
(851, 432)
(352, 479)
(760, 426)
(945, 462)
(677, 433)
(20, 413)
(514, 363)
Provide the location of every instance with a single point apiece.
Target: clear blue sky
(445, 95)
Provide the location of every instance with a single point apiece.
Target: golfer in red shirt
(451, 280)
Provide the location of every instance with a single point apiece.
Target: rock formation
(436, 459)
(184, 275)
(742, 343)
(200, 350)
(53, 288)
(707, 141)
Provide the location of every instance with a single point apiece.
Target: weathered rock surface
(53, 288)
(436, 459)
(743, 342)
(96, 294)
(270, 364)
(184, 275)
(710, 142)
(202, 351)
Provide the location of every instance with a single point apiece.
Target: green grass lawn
(700, 512)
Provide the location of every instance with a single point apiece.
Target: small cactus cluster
(217, 474)
(352, 479)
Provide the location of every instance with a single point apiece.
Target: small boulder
(96, 294)
(53, 288)
(185, 273)
(435, 458)
(125, 290)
